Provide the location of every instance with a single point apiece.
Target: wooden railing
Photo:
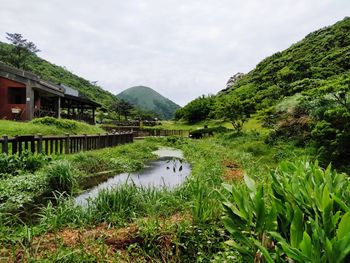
(62, 144)
(160, 133)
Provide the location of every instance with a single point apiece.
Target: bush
(61, 176)
(207, 131)
(59, 123)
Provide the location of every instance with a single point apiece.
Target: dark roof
(82, 100)
(33, 80)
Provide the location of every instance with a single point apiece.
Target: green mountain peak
(148, 99)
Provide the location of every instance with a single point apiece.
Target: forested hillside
(301, 94)
(321, 55)
(57, 74)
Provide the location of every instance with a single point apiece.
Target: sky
(180, 48)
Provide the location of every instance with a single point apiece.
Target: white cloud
(180, 48)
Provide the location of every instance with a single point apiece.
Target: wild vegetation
(47, 126)
(300, 93)
(255, 194)
(140, 224)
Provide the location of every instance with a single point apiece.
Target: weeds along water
(139, 224)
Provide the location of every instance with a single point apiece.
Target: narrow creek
(169, 170)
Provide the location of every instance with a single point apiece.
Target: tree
(123, 108)
(197, 110)
(232, 109)
(21, 49)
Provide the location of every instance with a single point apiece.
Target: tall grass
(61, 176)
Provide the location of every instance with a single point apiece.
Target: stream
(169, 170)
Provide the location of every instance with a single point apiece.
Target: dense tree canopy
(197, 110)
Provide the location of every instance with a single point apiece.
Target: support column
(59, 107)
(29, 102)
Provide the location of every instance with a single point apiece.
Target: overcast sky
(180, 48)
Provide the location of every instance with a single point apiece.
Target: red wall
(5, 107)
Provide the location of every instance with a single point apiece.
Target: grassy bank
(47, 126)
(26, 178)
(141, 225)
(251, 124)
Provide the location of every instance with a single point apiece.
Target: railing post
(67, 144)
(5, 145)
(85, 143)
(99, 141)
(40, 143)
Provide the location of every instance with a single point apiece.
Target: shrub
(207, 131)
(59, 123)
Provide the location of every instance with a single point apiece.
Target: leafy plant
(301, 214)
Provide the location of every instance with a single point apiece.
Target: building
(24, 96)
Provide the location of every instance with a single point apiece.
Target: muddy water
(170, 170)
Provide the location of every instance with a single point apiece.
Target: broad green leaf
(342, 248)
(326, 199)
(329, 250)
(296, 228)
(344, 226)
(306, 245)
(341, 203)
(250, 183)
(290, 251)
(260, 209)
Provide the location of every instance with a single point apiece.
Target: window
(17, 96)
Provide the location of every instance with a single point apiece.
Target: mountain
(148, 99)
(57, 74)
(321, 57)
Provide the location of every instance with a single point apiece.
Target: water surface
(170, 170)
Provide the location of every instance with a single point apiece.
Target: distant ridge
(148, 99)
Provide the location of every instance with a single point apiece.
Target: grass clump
(61, 176)
(68, 126)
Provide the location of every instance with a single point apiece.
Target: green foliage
(199, 133)
(13, 165)
(320, 55)
(328, 106)
(301, 213)
(232, 109)
(197, 110)
(20, 50)
(61, 176)
(16, 192)
(69, 126)
(123, 108)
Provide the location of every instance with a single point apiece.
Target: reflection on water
(168, 171)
